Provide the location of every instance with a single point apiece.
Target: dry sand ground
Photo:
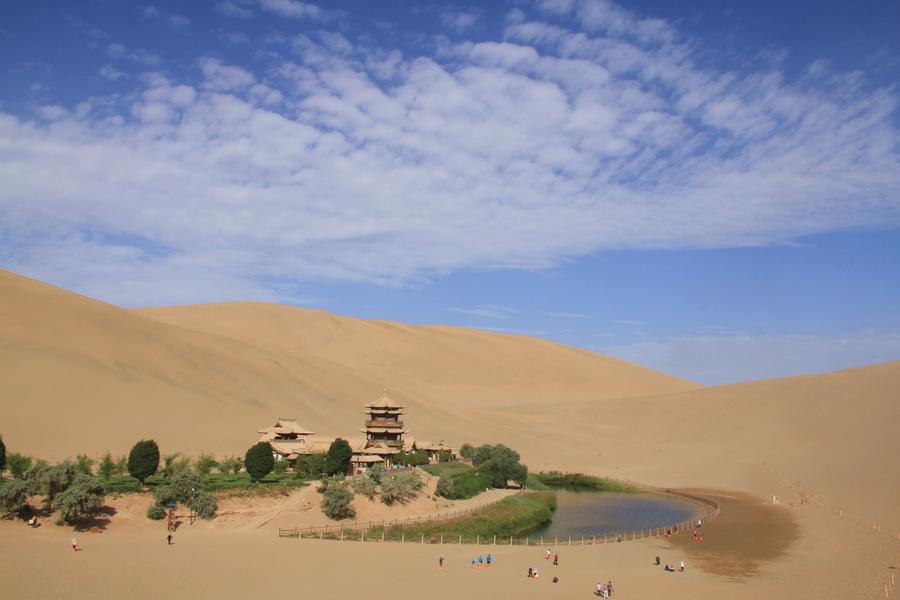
(82, 376)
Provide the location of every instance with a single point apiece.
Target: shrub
(14, 497)
(143, 461)
(230, 466)
(400, 488)
(121, 465)
(107, 466)
(280, 467)
(57, 479)
(467, 450)
(84, 464)
(259, 461)
(2, 455)
(156, 512)
(18, 464)
(413, 459)
(337, 459)
(205, 464)
(204, 505)
(445, 456)
(376, 473)
(363, 486)
(83, 498)
(336, 502)
(37, 472)
(175, 463)
(310, 465)
(445, 487)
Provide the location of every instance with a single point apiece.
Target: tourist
(682, 566)
(609, 589)
(657, 560)
(488, 560)
(548, 555)
(74, 545)
(669, 568)
(534, 575)
(556, 580)
(441, 562)
(473, 563)
(169, 538)
(480, 561)
(530, 572)
(556, 559)
(598, 589)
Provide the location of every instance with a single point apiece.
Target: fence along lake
(588, 514)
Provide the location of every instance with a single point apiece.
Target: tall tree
(259, 461)
(337, 460)
(143, 461)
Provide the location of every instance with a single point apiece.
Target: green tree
(14, 497)
(336, 502)
(467, 450)
(57, 479)
(37, 472)
(445, 456)
(230, 466)
(84, 464)
(376, 472)
(121, 465)
(205, 463)
(107, 466)
(18, 464)
(413, 459)
(280, 467)
(445, 487)
(337, 459)
(187, 488)
(310, 465)
(259, 461)
(143, 461)
(175, 463)
(2, 455)
(500, 464)
(83, 498)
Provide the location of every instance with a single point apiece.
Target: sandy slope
(79, 375)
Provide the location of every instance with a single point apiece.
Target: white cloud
(719, 359)
(111, 73)
(234, 8)
(566, 315)
(461, 21)
(488, 310)
(292, 9)
(357, 162)
(179, 22)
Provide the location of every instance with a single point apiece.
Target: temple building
(385, 438)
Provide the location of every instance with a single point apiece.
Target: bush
(230, 466)
(83, 498)
(376, 473)
(14, 497)
(2, 455)
(57, 479)
(156, 512)
(107, 466)
(337, 459)
(400, 489)
(363, 486)
(205, 464)
(37, 472)
(280, 467)
(310, 465)
(467, 451)
(445, 456)
(143, 461)
(445, 487)
(413, 459)
(204, 505)
(259, 461)
(84, 464)
(175, 463)
(336, 502)
(18, 464)
(187, 488)
(121, 465)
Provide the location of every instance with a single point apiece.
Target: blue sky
(711, 189)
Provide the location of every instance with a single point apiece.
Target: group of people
(479, 562)
(604, 590)
(669, 568)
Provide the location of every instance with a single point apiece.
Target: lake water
(598, 513)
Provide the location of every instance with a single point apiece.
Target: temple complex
(385, 438)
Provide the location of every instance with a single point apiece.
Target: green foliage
(143, 461)
(511, 516)
(363, 486)
(533, 483)
(187, 488)
(376, 473)
(18, 464)
(121, 465)
(400, 489)
(57, 479)
(337, 459)
(205, 505)
(82, 498)
(156, 512)
(500, 464)
(467, 482)
(14, 497)
(175, 463)
(84, 464)
(205, 463)
(280, 467)
(445, 487)
(445, 456)
(259, 461)
(413, 459)
(336, 502)
(230, 466)
(580, 481)
(310, 465)
(107, 467)
(2, 455)
(37, 472)
(467, 450)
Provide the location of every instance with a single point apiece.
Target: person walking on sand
(548, 555)
(682, 567)
(74, 545)
(441, 561)
(488, 561)
(609, 589)
(473, 563)
(480, 561)
(657, 560)
(555, 559)
(169, 538)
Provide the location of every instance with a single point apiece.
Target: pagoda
(384, 429)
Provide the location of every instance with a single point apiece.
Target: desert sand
(79, 375)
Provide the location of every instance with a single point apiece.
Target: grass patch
(214, 483)
(533, 483)
(509, 517)
(582, 482)
(467, 482)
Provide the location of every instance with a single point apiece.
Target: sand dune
(82, 376)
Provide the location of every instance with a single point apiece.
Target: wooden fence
(358, 531)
